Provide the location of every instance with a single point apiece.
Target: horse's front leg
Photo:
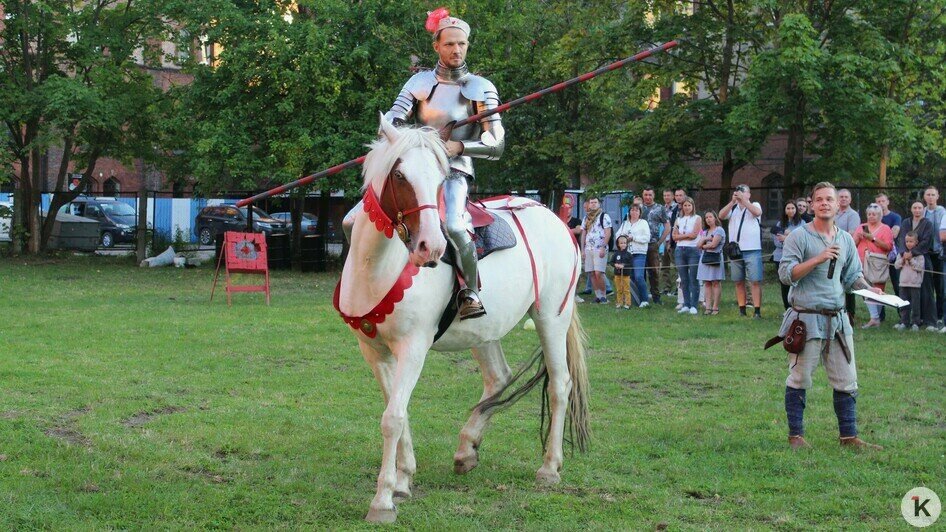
(384, 366)
(409, 363)
(496, 375)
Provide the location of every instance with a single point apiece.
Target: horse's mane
(383, 155)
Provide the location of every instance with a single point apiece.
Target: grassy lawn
(127, 400)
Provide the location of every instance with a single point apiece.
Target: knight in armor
(435, 98)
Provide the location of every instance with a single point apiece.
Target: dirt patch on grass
(142, 418)
(206, 474)
(64, 428)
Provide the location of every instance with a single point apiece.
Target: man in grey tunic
(818, 301)
(436, 98)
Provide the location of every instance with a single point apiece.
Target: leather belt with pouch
(797, 335)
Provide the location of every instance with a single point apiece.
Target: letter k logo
(919, 507)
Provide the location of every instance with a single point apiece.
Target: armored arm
(493, 138)
(403, 107)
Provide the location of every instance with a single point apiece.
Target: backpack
(601, 223)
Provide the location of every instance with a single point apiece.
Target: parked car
(217, 219)
(118, 221)
(6, 220)
(309, 224)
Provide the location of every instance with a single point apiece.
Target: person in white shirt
(745, 229)
(686, 230)
(637, 231)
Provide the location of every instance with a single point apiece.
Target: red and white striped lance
(502, 108)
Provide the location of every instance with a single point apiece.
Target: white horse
(392, 296)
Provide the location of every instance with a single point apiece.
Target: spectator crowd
(671, 249)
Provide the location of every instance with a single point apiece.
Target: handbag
(711, 258)
(794, 339)
(732, 249)
(876, 268)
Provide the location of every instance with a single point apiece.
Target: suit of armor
(436, 98)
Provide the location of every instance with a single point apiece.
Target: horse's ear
(387, 129)
(447, 130)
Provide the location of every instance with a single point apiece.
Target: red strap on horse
(525, 239)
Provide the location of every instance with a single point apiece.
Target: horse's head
(406, 168)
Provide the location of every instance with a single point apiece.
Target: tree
(70, 80)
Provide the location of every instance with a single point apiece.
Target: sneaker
(609, 292)
(683, 310)
(646, 304)
(932, 328)
(899, 326)
(585, 292)
(627, 306)
(692, 310)
(915, 328)
(618, 305)
(679, 306)
(943, 330)
(579, 299)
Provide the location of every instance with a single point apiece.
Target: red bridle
(372, 206)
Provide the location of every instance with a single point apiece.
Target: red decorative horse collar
(368, 324)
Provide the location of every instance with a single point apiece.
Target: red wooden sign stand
(243, 253)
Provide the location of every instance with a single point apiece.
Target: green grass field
(129, 401)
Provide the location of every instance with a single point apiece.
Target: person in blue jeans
(686, 230)
(637, 231)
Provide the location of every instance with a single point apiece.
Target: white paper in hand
(890, 300)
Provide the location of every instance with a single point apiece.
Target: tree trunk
(62, 197)
(795, 152)
(725, 178)
(884, 158)
(21, 206)
(36, 201)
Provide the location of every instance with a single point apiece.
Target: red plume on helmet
(434, 17)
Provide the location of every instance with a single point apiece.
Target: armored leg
(349, 221)
(455, 195)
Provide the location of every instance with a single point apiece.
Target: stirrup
(469, 305)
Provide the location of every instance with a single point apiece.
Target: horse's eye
(398, 175)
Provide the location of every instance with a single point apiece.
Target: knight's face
(451, 45)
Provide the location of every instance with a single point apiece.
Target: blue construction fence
(173, 218)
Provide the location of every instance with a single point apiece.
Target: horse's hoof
(401, 496)
(381, 515)
(466, 464)
(547, 478)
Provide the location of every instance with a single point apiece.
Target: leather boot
(856, 443)
(797, 443)
(469, 305)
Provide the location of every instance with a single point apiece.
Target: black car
(212, 221)
(118, 221)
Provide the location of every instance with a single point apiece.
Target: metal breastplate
(444, 105)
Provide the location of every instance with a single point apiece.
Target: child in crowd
(911, 279)
(622, 261)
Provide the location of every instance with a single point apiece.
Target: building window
(111, 187)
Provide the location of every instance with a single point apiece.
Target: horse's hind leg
(552, 334)
(383, 365)
(496, 375)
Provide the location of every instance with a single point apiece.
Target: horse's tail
(575, 342)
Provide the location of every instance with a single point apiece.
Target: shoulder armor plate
(478, 89)
(421, 84)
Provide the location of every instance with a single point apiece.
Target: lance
(502, 108)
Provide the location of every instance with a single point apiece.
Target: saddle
(490, 233)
